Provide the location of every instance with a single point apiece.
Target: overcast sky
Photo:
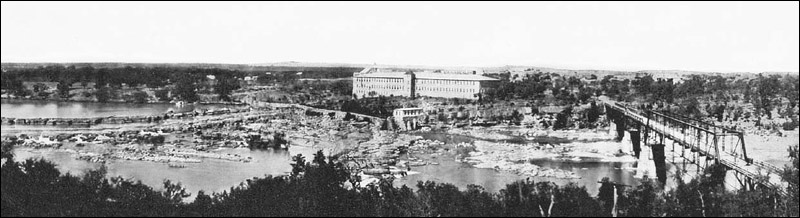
(704, 36)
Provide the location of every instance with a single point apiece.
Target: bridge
(692, 142)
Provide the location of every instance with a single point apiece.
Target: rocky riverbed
(191, 141)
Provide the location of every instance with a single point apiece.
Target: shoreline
(118, 102)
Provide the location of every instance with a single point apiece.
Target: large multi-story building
(373, 82)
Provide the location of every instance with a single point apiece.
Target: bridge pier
(700, 143)
(636, 141)
(659, 159)
(620, 123)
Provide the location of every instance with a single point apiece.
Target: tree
(63, 88)
(642, 201)
(342, 87)
(791, 89)
(693, 86)
(104, 94)
(224, 86)
(663, 90)
(517, 117)
(767, 90)
(643, 84)
(12, 84)
(562, 118)
(140, 97)
(175, 193)
(594, 113)
(791, 175)
(185, 88)
(162, 95)
(39, 87)
(606, 196)
(692, 108)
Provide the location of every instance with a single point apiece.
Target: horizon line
(333, 64)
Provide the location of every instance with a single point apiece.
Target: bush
(464, 151)
(790, 126)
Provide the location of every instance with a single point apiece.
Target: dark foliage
(324, 187)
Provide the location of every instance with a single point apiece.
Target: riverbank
(83, 100)
(86, 122)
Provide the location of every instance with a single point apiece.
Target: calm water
(463, 174)
(35, 130)
(210, 176)
(50, 109)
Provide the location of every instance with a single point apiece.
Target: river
(218, 175)
(211, 175)
(50, 109)
(463, 174)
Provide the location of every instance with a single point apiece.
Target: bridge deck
(733, 161)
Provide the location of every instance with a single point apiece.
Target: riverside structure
(373, 82)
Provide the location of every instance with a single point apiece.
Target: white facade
(408, 118)
(372, 83)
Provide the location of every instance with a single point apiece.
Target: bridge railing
(701, 136)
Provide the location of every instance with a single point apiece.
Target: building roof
(424, 75)
(430, 75)
(408, 109)
(382, 75)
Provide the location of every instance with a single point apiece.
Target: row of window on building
(419, 81)
(446, 89)
(389, 87)
(445, 82)
(382, 80)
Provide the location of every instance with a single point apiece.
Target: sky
(697, 36)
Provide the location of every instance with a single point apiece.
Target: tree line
(716, 97)
(187, 81)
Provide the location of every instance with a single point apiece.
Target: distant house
(548, 92)
(250, 80)
(211, 81)
(551, 110)
(408, 118)
(82, 85)
(48, 86)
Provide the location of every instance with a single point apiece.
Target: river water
(218, 175)
(50, 109)
(211, 175)
(463, 174)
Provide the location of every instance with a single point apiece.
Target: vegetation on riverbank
(323, 187)
(741, 101)
(154, 83)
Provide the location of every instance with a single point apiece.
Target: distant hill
(321, 66)
(242, 67)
